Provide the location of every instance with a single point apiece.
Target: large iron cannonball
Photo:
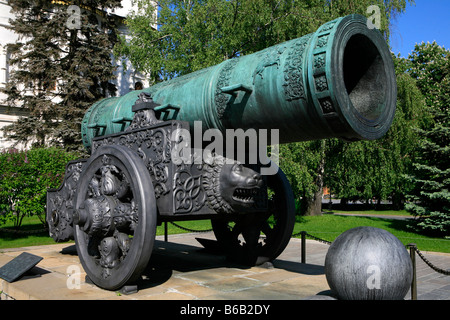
(367, 263)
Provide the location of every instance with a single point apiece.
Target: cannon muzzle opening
(365, 82)
(364, 77)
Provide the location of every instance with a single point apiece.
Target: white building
(7, 116)
(124, 81)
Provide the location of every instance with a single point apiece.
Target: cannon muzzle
(336, 82)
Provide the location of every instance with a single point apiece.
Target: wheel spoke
(107, 245)
(267, 229)
(115, 217)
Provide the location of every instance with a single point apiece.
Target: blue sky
(427, 20)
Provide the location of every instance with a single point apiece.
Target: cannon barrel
(336, 82)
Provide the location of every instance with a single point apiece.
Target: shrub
(25, 177)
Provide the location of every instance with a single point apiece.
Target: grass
(326, 227)
(29, 234)
(373, 212)
(199, 225)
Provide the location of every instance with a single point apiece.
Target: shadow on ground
(169, 258)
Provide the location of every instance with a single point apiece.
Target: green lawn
(29, 234)
(373, 212)
(32, 224)
(326, 227)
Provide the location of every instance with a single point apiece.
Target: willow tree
(369, 170)
(189, 35)
(168, 38)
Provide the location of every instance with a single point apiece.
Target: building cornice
(89, 8)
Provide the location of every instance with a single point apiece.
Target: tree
(194, 34)
(369, 170)
(25, 177)
(61, 65)
(430, 199)
(302, 162)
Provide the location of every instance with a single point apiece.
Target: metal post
(412, 254)
(303, 233)
(165, 232)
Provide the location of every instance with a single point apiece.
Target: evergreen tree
(61, 65)
(430, 200)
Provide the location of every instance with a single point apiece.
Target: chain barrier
(22, 231)
(420, 254)
(190, 230)
(412, 249)
(312, 237)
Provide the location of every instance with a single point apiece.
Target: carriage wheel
(114, 217)
(255, 238)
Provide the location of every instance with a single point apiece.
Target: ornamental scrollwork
(221, 99)
(293, 71)
(60, 203)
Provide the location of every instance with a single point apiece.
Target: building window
(4, 66)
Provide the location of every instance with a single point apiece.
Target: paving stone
(255, 293)
(168, 296)
(233, 284)
(215, 274)
(182, 270)
(274, 275)
(196, 290)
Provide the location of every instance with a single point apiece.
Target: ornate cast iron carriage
(336, 82)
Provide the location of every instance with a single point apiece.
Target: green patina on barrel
(336, 82)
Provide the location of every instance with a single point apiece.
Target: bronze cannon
(337, 82)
